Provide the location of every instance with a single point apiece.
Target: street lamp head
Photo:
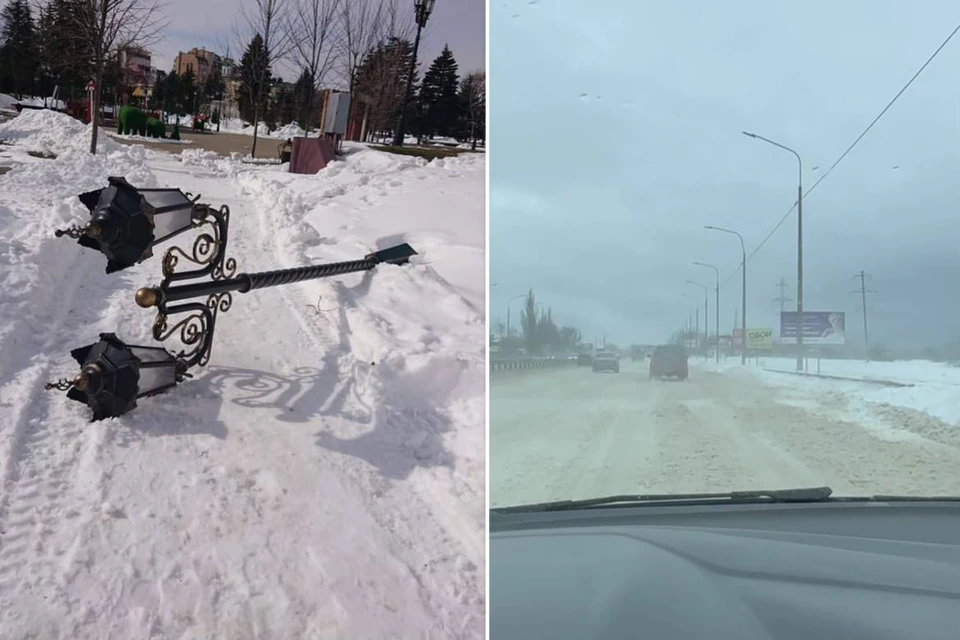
(423, 9)
(707, 226)
(125, 222)
(748, 134)
(114, 374)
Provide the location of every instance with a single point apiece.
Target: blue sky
(616, 136)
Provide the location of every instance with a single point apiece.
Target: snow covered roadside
(931, 402)
(322, 477)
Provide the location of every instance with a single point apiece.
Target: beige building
(135, 63)
(199, 60)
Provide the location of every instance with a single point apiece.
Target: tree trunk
(256, 128)
(96, 112)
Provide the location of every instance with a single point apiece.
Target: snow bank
(934, 390)
(291, 130)
(48, 131)
(146, 139)
(322, 477)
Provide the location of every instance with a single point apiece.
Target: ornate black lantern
(114, 374)
(125, 222)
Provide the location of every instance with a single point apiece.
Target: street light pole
(696, 306)
(800, 354)
(716, 310)
(422, 10)
(509, 302)
(743, 311)
(706, 309)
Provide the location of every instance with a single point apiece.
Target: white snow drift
(322, 477)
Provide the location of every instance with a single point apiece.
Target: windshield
(769, 188)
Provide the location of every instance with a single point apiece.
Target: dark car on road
(584, 360)
(606, 361)
(669, 360)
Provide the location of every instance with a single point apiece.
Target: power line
(863, 291)
(849, 149)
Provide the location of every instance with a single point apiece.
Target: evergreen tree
(439, 101)
(382, 78)
(18, 52)
(528, 321)
(214, 85)
(188, 89)
(473, 108)
(304, 102)
(65, 57)
(254, 80)
(159, 98)
(172, 93)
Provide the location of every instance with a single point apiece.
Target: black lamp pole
(113, 374)
(422, 8)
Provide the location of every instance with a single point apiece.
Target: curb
(886, 383)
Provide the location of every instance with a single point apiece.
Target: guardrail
(516, 364)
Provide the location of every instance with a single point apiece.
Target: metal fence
(516, 364)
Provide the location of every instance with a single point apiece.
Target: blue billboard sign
(819, 327)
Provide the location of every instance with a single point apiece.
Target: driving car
(584, 359)
(606, 361)
(669, 360)
(787, 564)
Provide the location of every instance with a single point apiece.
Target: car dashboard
(871, 570)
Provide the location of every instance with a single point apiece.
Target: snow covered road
(321, 478)
(571, 433)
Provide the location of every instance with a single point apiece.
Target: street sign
(91, 86)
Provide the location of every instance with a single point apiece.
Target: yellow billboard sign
(759, 338)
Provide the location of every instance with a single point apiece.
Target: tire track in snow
(34, 479)
(448, 577)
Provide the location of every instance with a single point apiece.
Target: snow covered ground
(933, 387)
(569, 433)
(322, 477)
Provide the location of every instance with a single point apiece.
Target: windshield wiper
(811, 494)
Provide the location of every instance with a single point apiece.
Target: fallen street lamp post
(113, 374)
(125, 222)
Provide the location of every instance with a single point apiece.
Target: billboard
(756, 338)
(819, 327)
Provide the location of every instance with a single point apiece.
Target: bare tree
(396, 20)
(473, 89)
(109, 25)
(315, 43)
(360, 22)
(268, 18)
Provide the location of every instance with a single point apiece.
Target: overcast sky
(459, 23)
(616, 136)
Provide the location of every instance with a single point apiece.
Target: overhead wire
(844, 155)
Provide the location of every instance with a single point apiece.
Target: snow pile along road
(922, 391)
(322, 477)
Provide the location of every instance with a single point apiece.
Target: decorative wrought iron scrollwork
(208, 250)
(62, 384)
(195, 331)
(74, 232)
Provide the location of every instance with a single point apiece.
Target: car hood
(732, 581)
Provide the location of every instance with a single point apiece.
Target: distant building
(135, 64)
(200, 61)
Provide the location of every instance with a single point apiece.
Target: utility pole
(863, 291)
(782, 298)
